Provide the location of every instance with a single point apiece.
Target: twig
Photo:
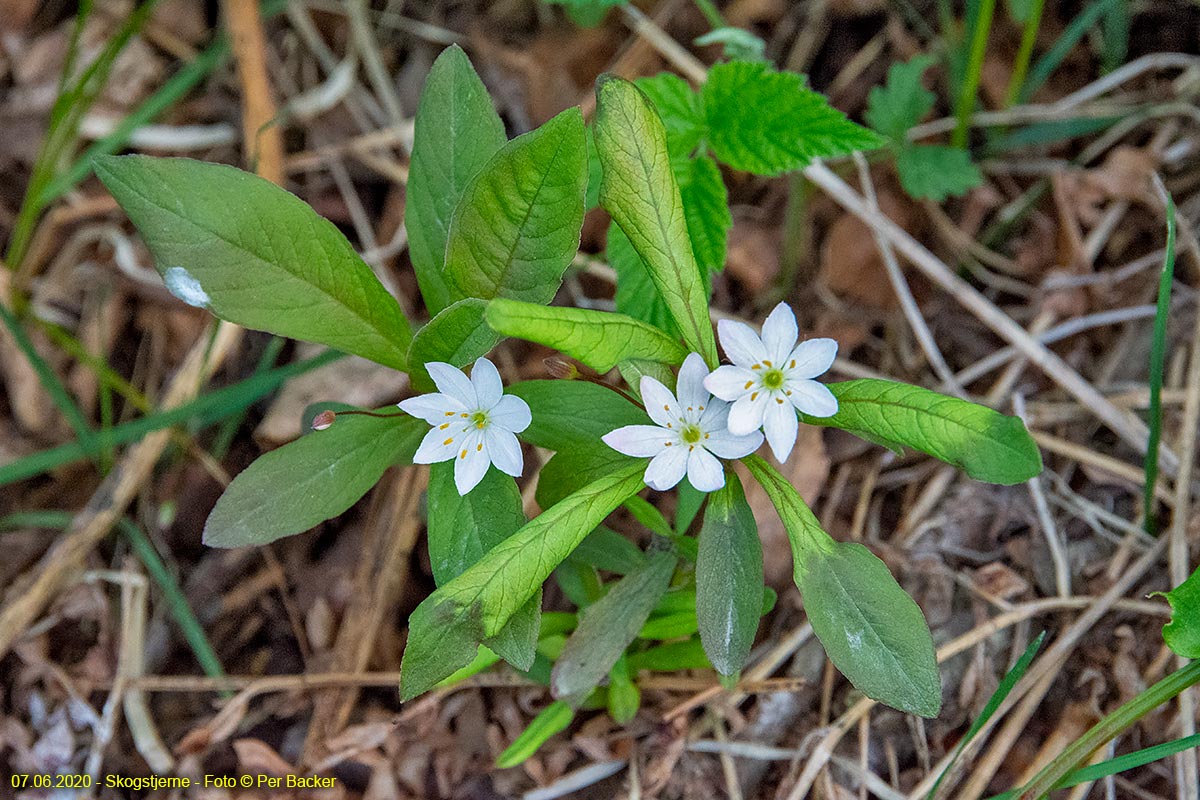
(263, 145)
(1058, 554)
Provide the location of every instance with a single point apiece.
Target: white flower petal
(452, 381)
(704, 471)
(811, 358)
(779, 334)
(667, 468)
(472, 462)
(433, 408)
(511, 413)
(746, 415)
(730, 382)
(661, 405)
(440, 445)
(689, 387)
(780, 425)
(486, 380)
(639, 441)
(715, 417)
(727, 445)
(741, 343)
(504, 450)
(812, 398)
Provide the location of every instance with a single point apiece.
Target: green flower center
(773, 379)
(479, 419)
(691, 434)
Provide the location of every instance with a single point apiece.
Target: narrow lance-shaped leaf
(598, 339)
(457, 335)
(552, 719)
(318, 476)
(455, 133)
(639, 191)
(987, 445)
(445, 630)
(256, 255)
(516, 228)
(729, 578)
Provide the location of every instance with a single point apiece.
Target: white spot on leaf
(181, 284)
(854, 639)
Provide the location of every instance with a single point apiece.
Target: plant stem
(1158, 353)
(711, 13)
(1025, 53)
(966, 96)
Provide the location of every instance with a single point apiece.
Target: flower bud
(323, 420)
(561, 368)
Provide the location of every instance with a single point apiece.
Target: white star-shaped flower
(689, 435)
(772, 377)
(473, 421)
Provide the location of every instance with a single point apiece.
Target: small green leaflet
(552, 719)
(457, 335)
(985, 444)
(768, 122)
(456, 131)
(936, 171)
(640, 192)
(596, 338)
(517, 226)
(680, 110)
(256, 255)
(1182, 633)
(902, 102)
(706, 206)
(318, 476)
(608, 626)
(446, 629)
(729, 578)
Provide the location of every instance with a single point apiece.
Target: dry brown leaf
(256, 757)
(753, 255)
(851, 266)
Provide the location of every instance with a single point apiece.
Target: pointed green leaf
(637, 295)
(455, 133)
(569, 470)
(729, 578)
(902, 102)
(516, 228)
(446, 629)
(706, 206)
(254, 254)
(985, 444)
(680, 110)
(552, 719)
(598, 339)
(457, 335)
(305, 482)
(768, 122)
(573, 414)
(608, 626)
(935, 172)
(1182, 633)
(640, 192)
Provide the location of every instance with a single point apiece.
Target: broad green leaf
(318, 476)
(552, 719)
(680, 110)
(872, 631)
(633, 370)
(729, 578)
(769, 122)
(607, 626)
(935, 171)
(597, 338)
(1182, 633)
(569, 470)
(985, 444)
(256, 255)
(706, 206)
(902, 102)
(606, 549)
(446, 629)
(457, 335)
(640, 192)
(516, 228)
(637, 295)
(574, 414)
(455, 133)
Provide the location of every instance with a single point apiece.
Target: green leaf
(591, 198)
(768, 122)
(606, 549)
(902, 102)
(624, 699)
(935, 171)
(445, 630)
(670, 657)
(608, 626)
(455, 133)
(517, 226)
(872, 631)
(598, 339)
(633, 370)
(680, 111)
(739, 44)
(256, 255)
(457, 335)
(637, 295)
(985, 444)
(573, 414)
(570, 470)
(729, 578)
(1182, 633)
(318, 476)
(706, 206)
(640, 192)
(803, 529)
(552, 719)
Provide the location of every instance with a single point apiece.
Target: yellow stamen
(792, 365)
(749, 384)
(478, 447)
(443, 426)
(449, 441)
(463, 454)
(753, 397)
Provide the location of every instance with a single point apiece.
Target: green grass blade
(1070, 37)
(965, 105)
(1158, 354)
(1138, 758)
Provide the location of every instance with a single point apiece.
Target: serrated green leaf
(680, 111)
(457, 335)
(935, 172)
(256, 255)
(595, 173)
(985, 444)
(640, 192)
(305, 482)
(768, 122)
(517, 226)
(1182, 633)
(553, 719)
(455, 133)
(706, 206)
(636, 295)
(729, 578)
(608, 626)
(596, 338)
(902, 102)
(568, 415)
(446, 629)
